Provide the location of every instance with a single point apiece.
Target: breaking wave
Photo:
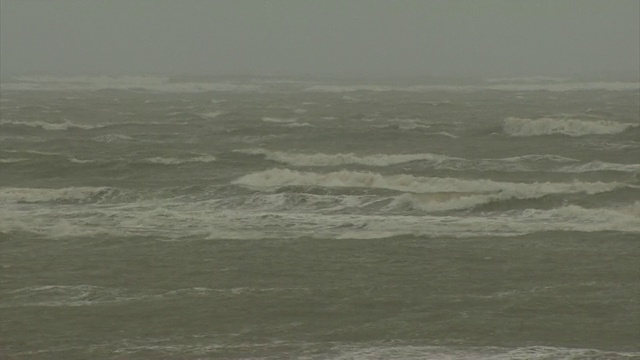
(410, 183)
(571, 127)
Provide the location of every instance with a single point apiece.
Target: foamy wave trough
(176, 220)
(428, 194)
(69, 194)
(517, 163)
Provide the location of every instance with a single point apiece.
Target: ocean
(270, 218)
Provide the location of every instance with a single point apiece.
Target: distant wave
(571, 127)
(517, 86)
(212, 114)
(529, 162)
(288, 122)
(279, 120)
(165, 84)
(109, 138)
(80, 194)
(176, 161)
(148, 83)
(66, 125)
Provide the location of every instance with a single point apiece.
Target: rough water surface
(142, 218)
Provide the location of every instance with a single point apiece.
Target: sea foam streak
(571, 127)
(69, 194)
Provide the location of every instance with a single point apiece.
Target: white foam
(571, 127)
(176, 219)
(444, 133)
(66, 125)
(411, 124)
(296, 202)
(176, 161)
(212, 114)
(279, 120)
(539, 157)
(81, 161)
(58, 295)
(36, 152)
(320, 159)
(109, 138)
(12, 160)
(445, 201)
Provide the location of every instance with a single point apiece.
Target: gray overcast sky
(320, 37)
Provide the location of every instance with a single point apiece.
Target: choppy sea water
(145, 218)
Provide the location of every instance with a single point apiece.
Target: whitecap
(66, 125)
(409, 183)
(571, 127)
(176, 161)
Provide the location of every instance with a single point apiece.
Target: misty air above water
(320, 180)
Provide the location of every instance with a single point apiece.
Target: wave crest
(342, 159)
(571, 127)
